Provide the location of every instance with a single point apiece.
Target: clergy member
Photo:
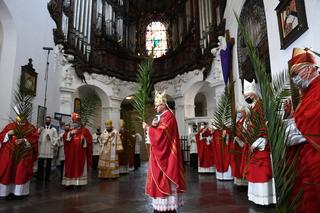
(304, 130)
(78, 154)
(165, 178)
(111, 146)
(18, 152)
(205, 149)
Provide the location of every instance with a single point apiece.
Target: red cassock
(165, 162)
(221, 151)
(20, 172)
(76, 153)
(259, 169)
(307, 118)
(205, 151)
(237, 152)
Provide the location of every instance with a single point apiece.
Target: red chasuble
(22, 171)
(77, 153)
(205, 151)
(165, 161)
(221, 152)
(259, 166)
(307, 118)
(237, 152)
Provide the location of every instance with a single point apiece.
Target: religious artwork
(28, 79)
(292, 21)
(156, 39)
(77, 105)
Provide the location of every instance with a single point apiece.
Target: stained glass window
(156, 38)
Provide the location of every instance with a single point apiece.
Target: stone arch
(200, 103)
(206, 90)
(103, 103)
(8, 46)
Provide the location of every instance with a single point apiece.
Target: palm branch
(22, 106)
(88, 107)
(222, 117)
(272, 95)
(143, 87)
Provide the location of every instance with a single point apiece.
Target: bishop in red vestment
(17, 156)
(78, 154)
(305, 129)
(165, 179)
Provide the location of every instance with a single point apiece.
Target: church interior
(213, 64)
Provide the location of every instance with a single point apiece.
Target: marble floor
(126, 194)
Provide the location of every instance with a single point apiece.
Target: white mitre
(160, 98)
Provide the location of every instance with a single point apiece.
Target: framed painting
(28, 79)
(292, 21)
(77, 105)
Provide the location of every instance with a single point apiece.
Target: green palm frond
(143, 87)
(272, 96)
(222, 117)
(88, 107)
(22, 106)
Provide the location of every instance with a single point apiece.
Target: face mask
(48, 123)
(75, 125)
(239, 116)
(301, 83)
(249, 100)
(109, 129)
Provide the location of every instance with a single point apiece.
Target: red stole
(307, 118)
(165, 161)
(76, 154)
(205, 151)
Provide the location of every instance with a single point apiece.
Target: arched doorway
(254, 20)
(86, 91)
(200, 103)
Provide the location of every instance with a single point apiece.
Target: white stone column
(219, 90)
(113, 112)
(189, 110)
(66, 100)
(180, 115)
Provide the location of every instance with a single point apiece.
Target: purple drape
(226, 57)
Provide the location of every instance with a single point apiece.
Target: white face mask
(239, 116)
(301, 83)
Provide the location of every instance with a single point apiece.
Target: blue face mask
(239, 115)
(75, 125)
(301, 83)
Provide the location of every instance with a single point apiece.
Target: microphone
(47, 48)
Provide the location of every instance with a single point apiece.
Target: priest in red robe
(237, 151)
(304, 129)
(221, 140)
(18, 152)
(205, 149)
(261, 186)
(78, 154)
(165, 182)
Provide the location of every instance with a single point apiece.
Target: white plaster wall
(278, 58)
(7, 60)
(33, 26)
